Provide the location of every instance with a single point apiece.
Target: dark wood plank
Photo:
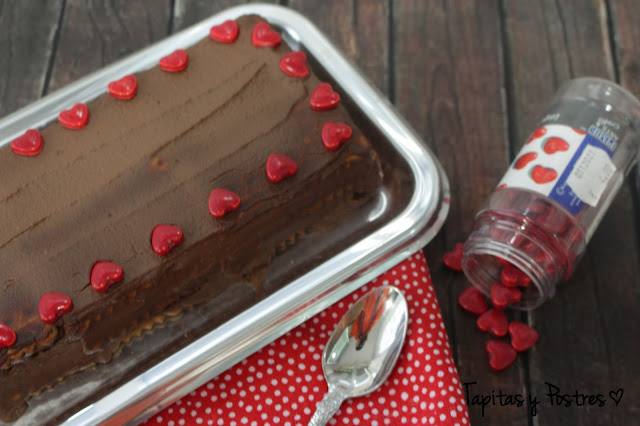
(25, 27)
(581, 345)
(94, 34)
(449, 84)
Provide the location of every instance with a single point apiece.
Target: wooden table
(473, 78)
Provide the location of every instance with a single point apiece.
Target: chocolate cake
(175, 184)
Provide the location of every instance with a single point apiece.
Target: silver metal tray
(402, 220)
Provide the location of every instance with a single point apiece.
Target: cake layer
(96, 194)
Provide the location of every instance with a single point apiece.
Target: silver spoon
(363, 349)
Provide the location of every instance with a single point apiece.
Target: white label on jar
(591, 174)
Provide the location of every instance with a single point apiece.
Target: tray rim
(307, 295)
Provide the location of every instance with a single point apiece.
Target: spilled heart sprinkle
(175, 62)
(295, 64)
(280, 167)
(53, 305)
(125, 88)
(165, 237)
(74, 118)
(7, 336)
(29, 144)
(324, 98)
(335, 134)
(501, 355)
(494, 321)
(227, 32)
(104, 275)
(501, 295)
(264, 36)
(523, 337)
(472, 300)
(453, 258)
(223, 201)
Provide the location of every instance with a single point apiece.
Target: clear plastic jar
(553, 196)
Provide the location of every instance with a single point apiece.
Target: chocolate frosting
(96, 194)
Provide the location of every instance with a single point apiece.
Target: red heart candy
(104, 275)
(554, 144)
(29, 144)
(125, 88)
(324, 98)
(175, 62)
(165, 237)
(512, 276)
(501, 355)
(495, 321)
(523, 337)
(7, 336)
(524, 160)
(74, 118)
(264, 36)
(222, 201)
(502, 295)
(472, 300)
(335, 134)
(280, 167)
(227, 32)
(295, 64)
(453, 259)
(540, 131)
(53, 305)
(543, 175)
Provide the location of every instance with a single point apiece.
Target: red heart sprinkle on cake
(334, 134)
(502, 295)
(295, 64)
(29, 144)
(494, 321)
(264, 36)
(280, 167)
(540, 132)
(501, 355)
(223, 201)
(472, 300)
(175, 62)
(324, 98)
(75, 118)
(125, 88)
(512, 276)
(227, 32)
(453, 258)
(7, 336)
(554, 144)
(523, 337)
(524, 160)
(543, 175)
(53, 305)
(165, 237)
(104, 275)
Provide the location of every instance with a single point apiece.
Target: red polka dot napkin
(282, 383)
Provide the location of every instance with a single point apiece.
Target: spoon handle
(328, 406)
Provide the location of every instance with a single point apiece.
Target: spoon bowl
(363, 349)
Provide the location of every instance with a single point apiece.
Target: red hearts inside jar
(29, 144)
(280, 167)
(223, 201)
(53, 305)
(227, 32)
(295, 64)
(74, 118)
(125, 88)
(175, 62)
(324, 98)
(334, 134)
(501, 295)
(104, 275)
(7, 336)
(165, 237)
(264, 36)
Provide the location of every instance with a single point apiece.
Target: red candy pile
(495, 321)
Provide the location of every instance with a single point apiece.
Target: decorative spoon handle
(328, 406)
